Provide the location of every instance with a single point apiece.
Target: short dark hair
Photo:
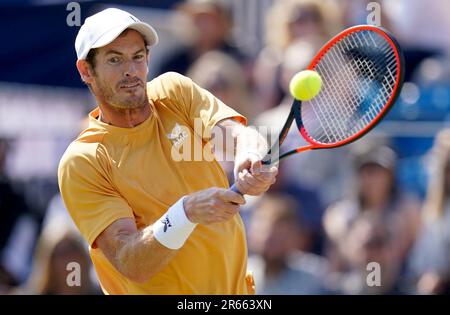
(90, 58)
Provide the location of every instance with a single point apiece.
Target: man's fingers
(232, 209)
(249, 186)
(260, 179)
(243, 186)
(267, 175)
(240, 166)
(226, 211)
(255, 184)
(232, 197)
(254, 181)
(256, 167)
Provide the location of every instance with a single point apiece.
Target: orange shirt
(109, 173)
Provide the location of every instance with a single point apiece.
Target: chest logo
(178, 135)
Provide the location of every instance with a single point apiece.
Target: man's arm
(249, 147)
(139, 255)
(133, 252)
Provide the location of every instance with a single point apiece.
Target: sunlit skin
(118, 80)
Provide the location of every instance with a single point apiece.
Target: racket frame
(294, 113)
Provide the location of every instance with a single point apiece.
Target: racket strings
(359, 75)
(364, 67)
(349, 94)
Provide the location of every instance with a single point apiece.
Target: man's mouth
(130, 85)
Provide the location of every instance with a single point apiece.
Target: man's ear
(85, 70)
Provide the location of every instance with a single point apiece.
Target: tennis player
(155, 224)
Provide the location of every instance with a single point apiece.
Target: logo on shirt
(166, 223)
(178, 135)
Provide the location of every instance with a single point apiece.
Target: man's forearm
(244, 139)
(249, 140)
(141, 255)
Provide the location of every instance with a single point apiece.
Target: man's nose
(130, 70)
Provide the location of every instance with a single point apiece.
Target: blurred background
(384, 199)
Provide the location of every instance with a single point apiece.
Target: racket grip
(234, 188)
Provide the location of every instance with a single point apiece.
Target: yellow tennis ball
(305, 85)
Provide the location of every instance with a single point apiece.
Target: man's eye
(114, 60)
(139, 57)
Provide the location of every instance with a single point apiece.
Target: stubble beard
(122, 101)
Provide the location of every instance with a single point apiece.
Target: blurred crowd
(331, 213)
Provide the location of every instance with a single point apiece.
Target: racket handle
(234, 188)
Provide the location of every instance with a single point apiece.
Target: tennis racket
(362, 71)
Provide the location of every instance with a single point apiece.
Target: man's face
(120, 73)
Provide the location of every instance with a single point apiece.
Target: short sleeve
(200, 105)
(89, 197)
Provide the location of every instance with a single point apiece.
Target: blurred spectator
(312, 21)
(223, 76)
(376, 193)
(275, 234)
(430, 259)
(311, 211)
(370, 239)
(211, 25)
(17, 229)
(59, 245)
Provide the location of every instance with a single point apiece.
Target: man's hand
(251, 177)
(212, 205)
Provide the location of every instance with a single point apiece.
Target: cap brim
(149, 33)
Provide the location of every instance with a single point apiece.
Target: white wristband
(173, 228)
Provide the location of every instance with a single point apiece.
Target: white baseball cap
(102, 28)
